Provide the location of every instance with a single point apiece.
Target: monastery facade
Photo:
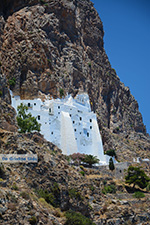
(68, 123)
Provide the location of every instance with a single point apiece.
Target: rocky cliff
(47, 45)
(40, 193)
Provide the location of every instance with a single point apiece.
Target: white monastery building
(68, 123)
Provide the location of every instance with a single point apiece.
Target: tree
(26, 122)
(90, 160)
(61, 92)
(136, 176)
(111, 153)
(111, 164)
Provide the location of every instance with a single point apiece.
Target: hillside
(45, 46)
(59, 44)
(65, 188)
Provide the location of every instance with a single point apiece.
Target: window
(90, 127)
(70, 115)
(73, 121)
(76, 138)
(80, 133)
(85, 131)
(50, 110)
(28, 104)
(75, 130)
(58, 112)
(45, 123)
(80, 118)
(58, 107)
(90, 120)
(38, 117)
(87, 134)
(52, 133)
(34, 103)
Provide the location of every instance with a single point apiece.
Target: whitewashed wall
(68, 123)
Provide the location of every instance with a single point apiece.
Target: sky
(126, 26)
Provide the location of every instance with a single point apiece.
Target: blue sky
(127, 43)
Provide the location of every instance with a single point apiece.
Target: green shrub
(109, 189)
(111, 164)
(15, 187)
(48, 196)
(61, 92)
(52, 197)
(12, 82)
(55, 189)
(82, 167)
(92, 188)
(136, 176)
(113, 70)
(148, 187)
(82, 173)
(76, 218)
(33, 220)
(111, 153)
(89, 64)
(138, 194)
(73, 193)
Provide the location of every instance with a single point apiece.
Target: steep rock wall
(48, 45)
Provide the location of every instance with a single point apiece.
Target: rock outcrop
(59, 44)
(65, 188)
(45, 46)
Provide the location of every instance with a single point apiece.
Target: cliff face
(48, 45)
(22, 201)
(45, 46)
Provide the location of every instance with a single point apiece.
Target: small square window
(58, 107)
(73, 121)
(75, 130)
(90, 127)
(52, 133)
(34, 103)
(28, 104)
(38, 117)
(90, 120)
(58, 112)
(80, 118)
(87, 134)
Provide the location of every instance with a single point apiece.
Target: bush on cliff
(136, 176)
(76, 218)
